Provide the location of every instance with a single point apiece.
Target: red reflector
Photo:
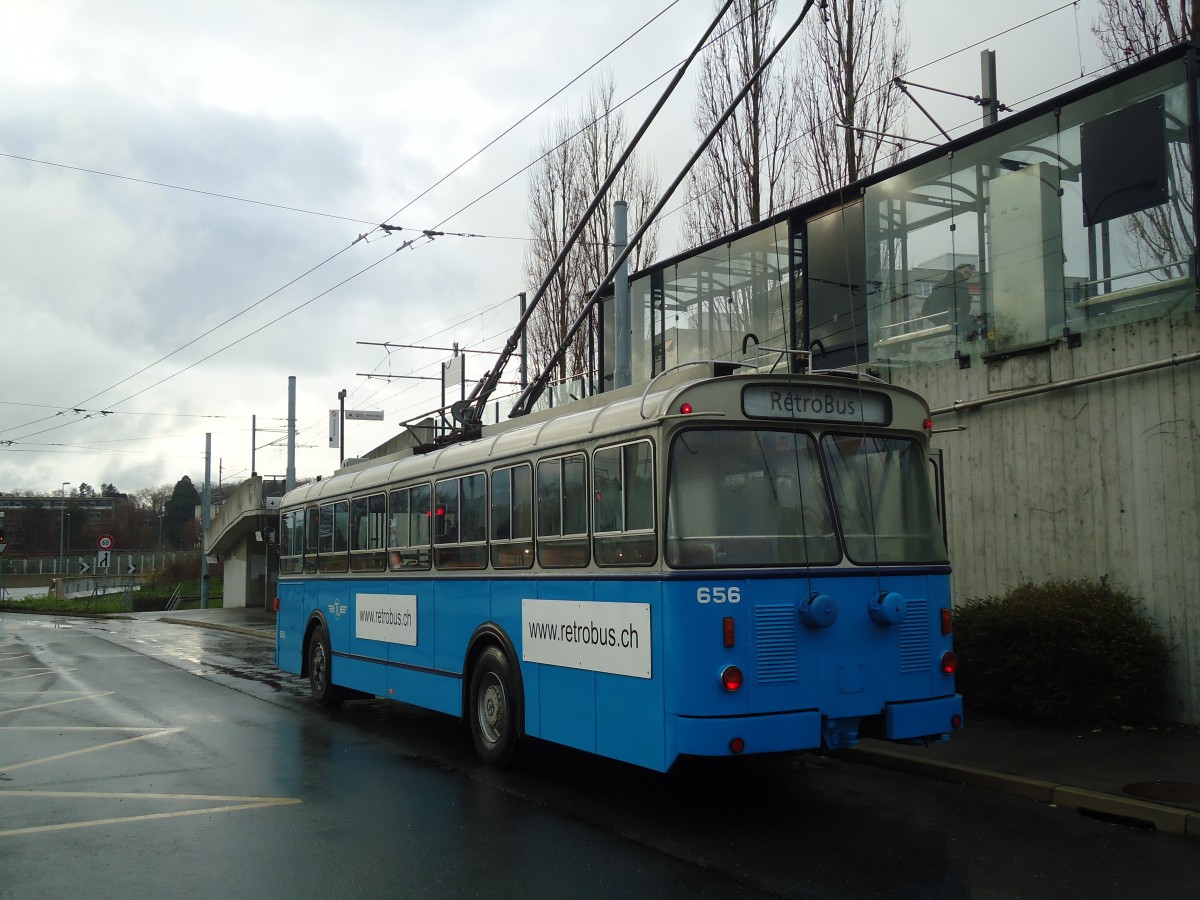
(956, 722)
(947, 621)
(276, 604)
(727, 630)
(949, 662)
(737, 745)
(731, 678)
(686, 409)
(928, 423)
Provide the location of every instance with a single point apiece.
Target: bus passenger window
(623, 514)
(460, 534)
(562, 512)
(409, 529)
(333, 536)
(512, 518)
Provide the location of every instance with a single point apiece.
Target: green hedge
(1067, 652)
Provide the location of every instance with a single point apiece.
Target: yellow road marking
(162, 732)
(87, 695)
(233, 804)
(39, 674)
(78, 728)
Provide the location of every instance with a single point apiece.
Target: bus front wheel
(320, 659)
(491, 708)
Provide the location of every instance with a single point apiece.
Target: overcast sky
(119, 346)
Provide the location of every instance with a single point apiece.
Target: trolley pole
(205, 518)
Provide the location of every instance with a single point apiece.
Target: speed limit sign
(105, 542)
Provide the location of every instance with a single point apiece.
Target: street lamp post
(62, 521)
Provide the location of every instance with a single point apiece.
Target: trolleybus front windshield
(750, 497)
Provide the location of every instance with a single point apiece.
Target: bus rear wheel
(320, 668)
(491, 708)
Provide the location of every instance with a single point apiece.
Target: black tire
(492, 708)
(320, 669)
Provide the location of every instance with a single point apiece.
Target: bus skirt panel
(920, 719)
(719, 736)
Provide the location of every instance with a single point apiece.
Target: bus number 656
(718, 594)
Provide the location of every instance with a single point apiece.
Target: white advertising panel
(391, 618)
(591, 635)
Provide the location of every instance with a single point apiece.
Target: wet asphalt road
(143, 759)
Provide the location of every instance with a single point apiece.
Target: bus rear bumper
(754, 734)
(920, 719)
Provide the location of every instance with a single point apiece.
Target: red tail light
(731, 678)
(276, 604)
(949, 663)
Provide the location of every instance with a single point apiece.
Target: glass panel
(366, 533)
(312, 529)
(574, 495)
(409, 538)
(419, 516)
(445, 498)
(549, 498)
(522, 494)
(738, 497)
(291, 544)
(884, 499)
(639, 486)
(358, 523)
(1016, 208)
(609, 510)
(333, 536)
(473, 509)
(712, 300)
(624, 502)
(512, 518)
(502, 505)
(398, 530)
(837, 296)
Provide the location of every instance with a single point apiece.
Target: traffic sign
(132, 568)
(369, 415)
(84, 568)
(105, 542)
(102, 560)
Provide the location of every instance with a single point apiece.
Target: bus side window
(333, 537)
(408, 529)
(623, 514)
(460, 536)
(512, 517)
(312, 528)
(562, 512)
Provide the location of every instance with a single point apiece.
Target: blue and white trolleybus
(718, 564)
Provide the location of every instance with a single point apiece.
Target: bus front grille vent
(775, 643)
(914, 638)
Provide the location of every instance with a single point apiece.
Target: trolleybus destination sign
(826, 404)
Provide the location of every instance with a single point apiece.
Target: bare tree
(575, 158)
(745, 174)
(601, 141)
(1129, 30)
(553, 211)
(845, 96)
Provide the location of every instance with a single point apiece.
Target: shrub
(1067, 652)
